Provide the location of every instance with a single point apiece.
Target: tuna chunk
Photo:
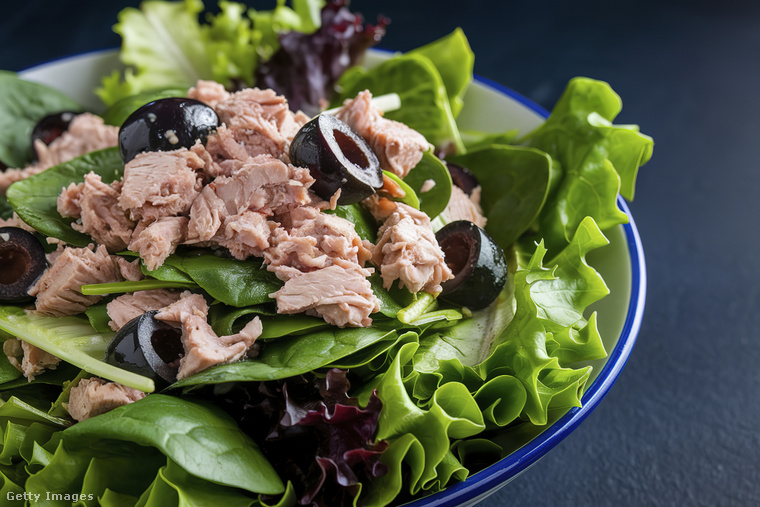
(464, 207)
(86, 133)
(160, 184)
(222, 154)
(97, 205)
(264, 184)
(206, 216)
(94, 396)
(342, 297)
(28, 359)
(203, 348)
(398, 147)
(58, 288)
(125, 308)
(129, 270)
(407, 251)
(315, 240)
(210, 93)
(261, 121)
(159, 240)
(246, 234)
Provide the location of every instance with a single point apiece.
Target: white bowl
(493, 108)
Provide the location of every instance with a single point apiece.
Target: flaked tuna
(261, 121)
(398, 147)
(161, 184)
(94, 396)
(315, 240)
(86, 133)
(58, 289)
(203, 348)
(128, 306)
(222, 154)
(96, 205)
(245, 235)
(29, 359)
(210, 93)
(342, 297)
(465, 207)
(130, 270)
(206, 216)
(159, 240)
(407, 251)
(264, 184)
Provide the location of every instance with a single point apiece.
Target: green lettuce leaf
(592, 160)
(73, 340)
(433, 201)
(22, 105)
(162, 47)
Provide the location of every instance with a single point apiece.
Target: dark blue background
(681, 426)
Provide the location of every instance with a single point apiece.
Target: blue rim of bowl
(498, 474)
(488, 480)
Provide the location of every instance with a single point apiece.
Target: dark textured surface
(680, 427)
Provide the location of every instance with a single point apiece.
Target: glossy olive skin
(148, 347)
(477, 262)
(165, 125)
(22, 262)
(51, 127)
(462, 177)
(337, 158)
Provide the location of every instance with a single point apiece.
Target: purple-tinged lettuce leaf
(307, 65)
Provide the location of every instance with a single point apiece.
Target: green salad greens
(446, 390)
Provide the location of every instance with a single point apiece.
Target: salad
(267, 275)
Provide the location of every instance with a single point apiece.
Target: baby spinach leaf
(35, 198)
(454, 59)
(514, 184)
(424, 99)
(221, 452)
(233, 282)
(6, 210)
(432, 201)
(22, 105)
(291, 356)
(73, 340)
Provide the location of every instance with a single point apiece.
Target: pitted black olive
(148, 347)
(166, 125)
(22, 262)
(462, 177)
(477, 262)
(337, 158)
(51, 127)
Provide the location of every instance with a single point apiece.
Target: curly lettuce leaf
(162, 47)
(592, 160)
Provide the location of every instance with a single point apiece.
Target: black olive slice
(462, 177)
(337, 158)
(148, 347)
(51, 127)
(22, 262)
(165, 125)
(477, 262)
